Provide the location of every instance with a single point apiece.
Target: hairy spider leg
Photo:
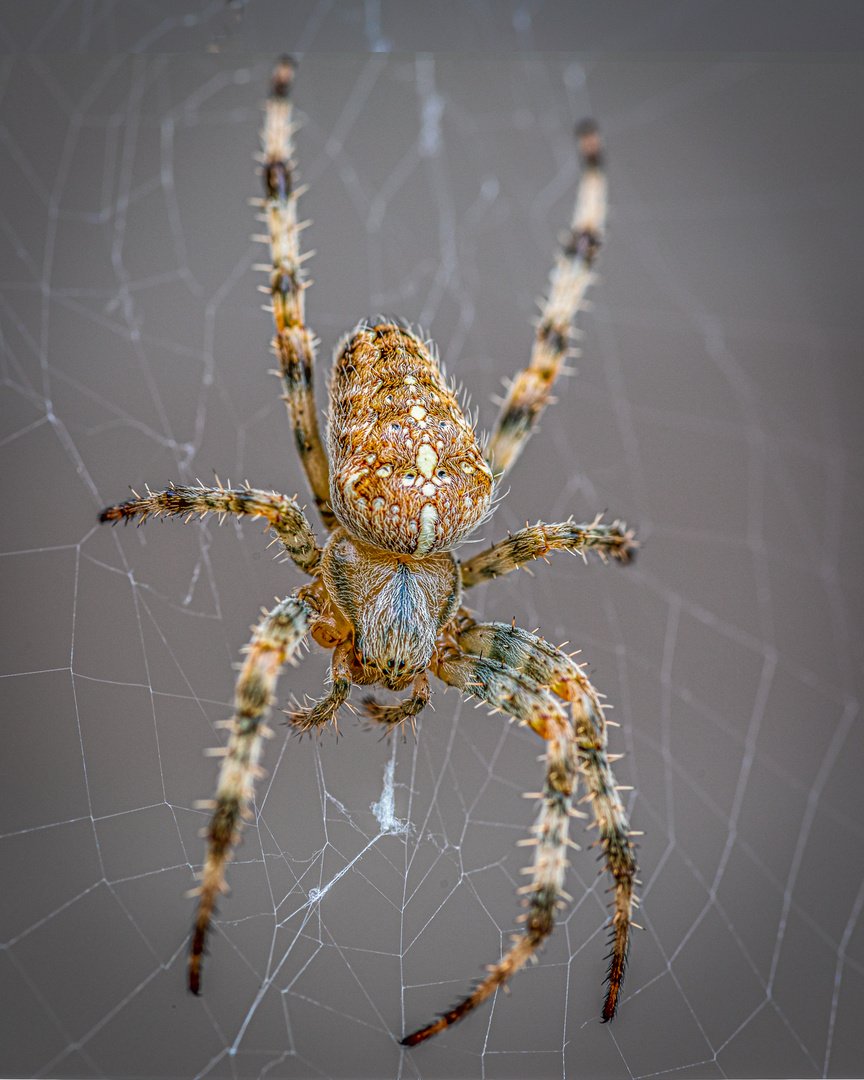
(325, 710)
(548, 666)
(407, 709)
(521, 698)
(529, 392)
(275, 640)
(519, 673)
(284, 515)
(294, 342)
(613, 541)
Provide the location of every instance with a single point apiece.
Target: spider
(403, 482)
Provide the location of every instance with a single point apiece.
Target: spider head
(395, 673)
(395, 636)
(395, 604)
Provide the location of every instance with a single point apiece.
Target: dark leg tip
(590, 144)
(283, 76)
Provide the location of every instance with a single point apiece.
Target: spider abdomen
(407, 473)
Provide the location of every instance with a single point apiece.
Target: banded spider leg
(530, 680)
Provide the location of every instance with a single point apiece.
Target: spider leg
(392, 715)
(519, 673)
(523, 699)
(294, 343)
(613, 541)
(531, 656)
(274, 641)
(286, 518)
(325, 710)
(529, 392)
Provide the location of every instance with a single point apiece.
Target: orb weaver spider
(403, 482)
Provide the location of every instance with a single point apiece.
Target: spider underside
(403, 481)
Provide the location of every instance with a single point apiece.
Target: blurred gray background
(717, 408)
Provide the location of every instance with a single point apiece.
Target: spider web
(716, 409)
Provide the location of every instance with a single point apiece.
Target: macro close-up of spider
(402, 481)
(412, 722)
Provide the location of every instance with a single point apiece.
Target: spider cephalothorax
(393, 606)
(406, 480)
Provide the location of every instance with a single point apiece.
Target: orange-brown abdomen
(406, 471)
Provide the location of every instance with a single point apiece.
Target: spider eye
(441, 474)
